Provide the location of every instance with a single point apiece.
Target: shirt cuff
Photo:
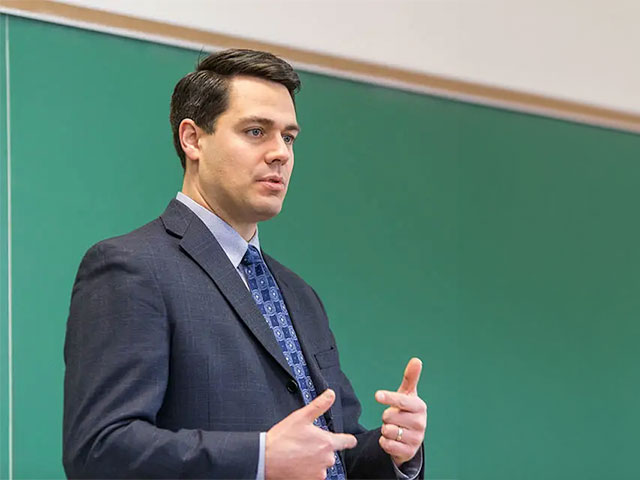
(261, 455)
(410, 469)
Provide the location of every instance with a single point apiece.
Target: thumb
(411, 376)
(318, 406)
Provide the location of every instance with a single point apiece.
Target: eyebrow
(269, 123)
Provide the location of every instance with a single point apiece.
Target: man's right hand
(296, 448)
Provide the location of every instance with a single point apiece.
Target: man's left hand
(405, 421)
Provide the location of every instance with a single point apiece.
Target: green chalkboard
(500, 247)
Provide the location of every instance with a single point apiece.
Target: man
(191, 353)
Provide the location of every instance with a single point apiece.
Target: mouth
(272, 182)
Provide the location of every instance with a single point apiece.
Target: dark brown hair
(203, 95)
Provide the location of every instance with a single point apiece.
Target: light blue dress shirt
(234, 247)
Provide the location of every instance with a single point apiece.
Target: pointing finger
(318, 406)
(343, 441)
(411, 376)
(403, 401)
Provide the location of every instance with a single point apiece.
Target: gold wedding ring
(399, 436)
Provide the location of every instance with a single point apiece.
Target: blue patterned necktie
(269, 299)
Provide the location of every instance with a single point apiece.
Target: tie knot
(252, 256)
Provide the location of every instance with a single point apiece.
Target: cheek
(227, 174)
(289, 166)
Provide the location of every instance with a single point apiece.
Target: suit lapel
(203, 248)
(199, 244)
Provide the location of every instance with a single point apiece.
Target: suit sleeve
(117, 367)
(367, 459)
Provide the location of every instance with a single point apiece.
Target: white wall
(582, 50)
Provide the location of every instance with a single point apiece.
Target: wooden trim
(360, 70)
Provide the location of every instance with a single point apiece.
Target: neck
(246, 230)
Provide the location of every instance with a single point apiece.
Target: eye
(288, 139)
(255, 132)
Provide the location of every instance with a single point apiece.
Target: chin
(267, 212)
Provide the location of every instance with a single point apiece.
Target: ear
(189, 134)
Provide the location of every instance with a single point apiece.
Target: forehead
(250, 96)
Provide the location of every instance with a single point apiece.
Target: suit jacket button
(292, 386)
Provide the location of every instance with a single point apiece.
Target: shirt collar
(231, 241)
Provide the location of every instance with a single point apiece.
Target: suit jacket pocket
(327, 358)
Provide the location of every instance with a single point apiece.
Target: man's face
(245, 165)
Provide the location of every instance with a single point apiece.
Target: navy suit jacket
(171, 369)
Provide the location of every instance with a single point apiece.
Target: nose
(278, 151)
